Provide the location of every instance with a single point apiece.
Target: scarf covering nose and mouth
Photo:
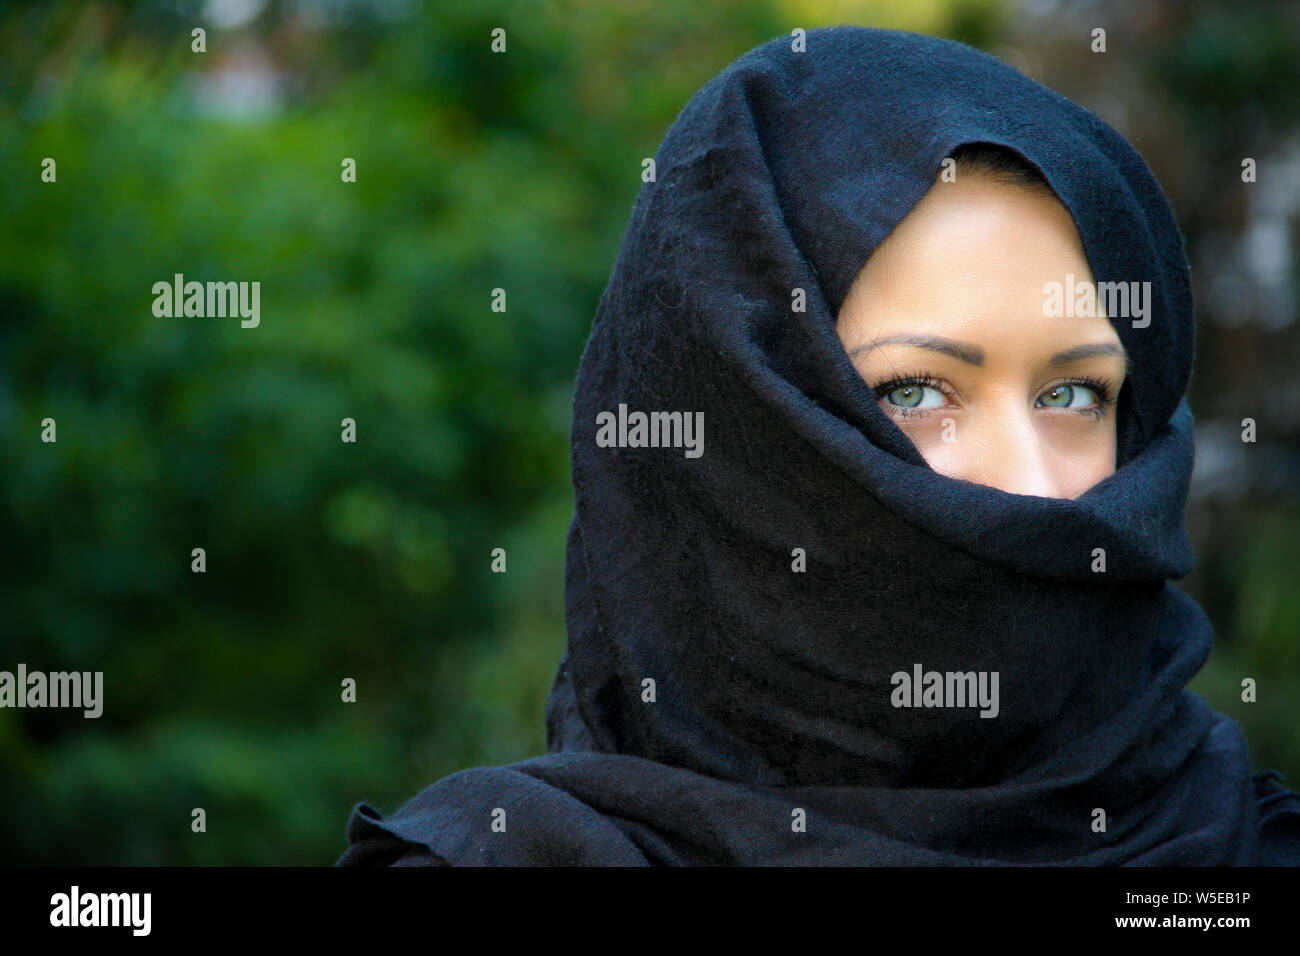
(771, 734)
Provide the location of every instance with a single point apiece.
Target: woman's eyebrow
(971, 354)
(1089, 351)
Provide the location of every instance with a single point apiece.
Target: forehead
(981, 222)
(975, 259)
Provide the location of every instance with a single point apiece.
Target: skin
(968, 265)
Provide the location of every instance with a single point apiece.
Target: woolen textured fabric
(773, 698)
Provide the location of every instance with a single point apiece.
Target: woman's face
(946, 323)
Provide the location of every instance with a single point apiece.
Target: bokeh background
(475, 170)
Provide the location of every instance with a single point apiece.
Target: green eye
(1069, 396)
(914, 396)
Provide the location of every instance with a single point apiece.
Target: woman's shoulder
(1279, 821)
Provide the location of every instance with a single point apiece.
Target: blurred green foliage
(327, 560)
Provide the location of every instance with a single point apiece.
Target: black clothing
(775, 731)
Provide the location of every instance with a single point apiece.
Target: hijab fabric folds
(771, 587)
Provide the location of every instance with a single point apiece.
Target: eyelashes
(1103, 389)
(920, 380)
(1099, 386)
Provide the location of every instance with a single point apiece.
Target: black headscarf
(770, 733)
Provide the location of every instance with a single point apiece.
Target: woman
(910, 601)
